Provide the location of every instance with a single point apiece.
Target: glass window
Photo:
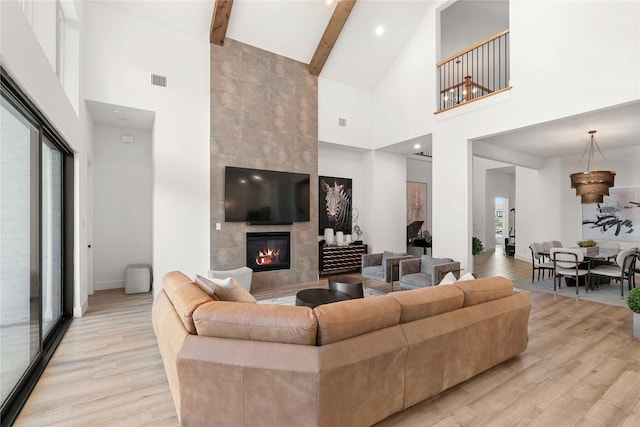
(51, 235)
(19, 290)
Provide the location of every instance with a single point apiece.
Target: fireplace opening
(268, 251)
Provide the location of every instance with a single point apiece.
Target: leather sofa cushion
(185, 297)
(420, 303)
(483, 290)
(346, 319)
(257, 322)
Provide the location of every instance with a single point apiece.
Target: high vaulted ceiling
(360, 58)
(293, 28)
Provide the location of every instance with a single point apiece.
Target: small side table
(315, 297)
(351, 286)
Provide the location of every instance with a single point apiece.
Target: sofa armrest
(371, 259)
(438, 271)
(389, 273)
(409, 266)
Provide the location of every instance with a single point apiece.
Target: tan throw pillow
(225, 289)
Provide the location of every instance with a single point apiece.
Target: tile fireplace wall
(264, 115)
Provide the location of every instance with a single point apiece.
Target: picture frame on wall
(335, 204)
(417, 204)
(617, 218)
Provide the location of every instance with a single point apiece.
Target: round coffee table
(315, 297)
(351, 286)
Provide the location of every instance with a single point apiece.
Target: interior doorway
(502, 226)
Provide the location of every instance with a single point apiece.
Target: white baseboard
(79, 311)
(101, 286)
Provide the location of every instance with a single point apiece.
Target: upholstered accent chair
(242, 275)
(624, 268)
(568, 262)
(426, 271)
(537, 261)
(383, 267)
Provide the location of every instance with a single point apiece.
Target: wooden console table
(334, 259)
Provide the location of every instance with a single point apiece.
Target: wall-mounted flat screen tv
(265, 197)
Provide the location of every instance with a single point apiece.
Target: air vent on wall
(342, 122)
(158, 80)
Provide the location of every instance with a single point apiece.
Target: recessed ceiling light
(416, 146)
(379, 30)
(116, 111)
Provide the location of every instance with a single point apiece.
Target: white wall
(337, 100)
(405, 99)
(122, 209)
(124, 52)
(384, 214)
(22, 55)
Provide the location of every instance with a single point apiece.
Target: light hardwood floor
(581, 368)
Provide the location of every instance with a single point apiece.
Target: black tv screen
(265, 197)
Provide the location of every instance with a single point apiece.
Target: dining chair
(568, 262)
(537, 262)
(546, 249)
(608, 244)
(556, 244)
(624, 268)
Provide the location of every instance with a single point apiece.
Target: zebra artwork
(337, 204)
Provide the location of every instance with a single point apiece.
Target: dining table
(604, 256)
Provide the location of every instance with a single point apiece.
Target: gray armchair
(383, 267)
(426, 271)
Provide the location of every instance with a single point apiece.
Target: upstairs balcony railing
(475, 73)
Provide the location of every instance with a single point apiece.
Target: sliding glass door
(51, 170)
(19, 247)
(36, 245)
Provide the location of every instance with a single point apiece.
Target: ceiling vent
(158, 80)
(342, 122)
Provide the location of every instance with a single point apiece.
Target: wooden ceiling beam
(330, 36)
(220, 21)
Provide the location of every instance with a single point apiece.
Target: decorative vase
(593, 250)
(636, 325)
(347, 238)
(328, 236)
(339, 238)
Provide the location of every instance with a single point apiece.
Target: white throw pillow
(466, 276)
(236, 290)
(448, 279)
(224, 289)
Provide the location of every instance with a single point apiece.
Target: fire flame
(269, 256)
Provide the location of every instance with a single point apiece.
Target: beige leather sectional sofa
(351, 363)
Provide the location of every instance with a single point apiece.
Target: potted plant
(476, 246)
(633, 301)
(590, 247)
